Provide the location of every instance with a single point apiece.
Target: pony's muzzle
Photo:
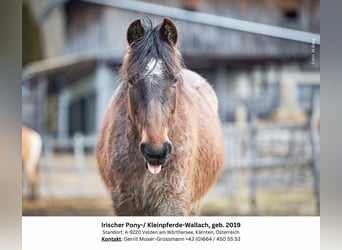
(156, 156)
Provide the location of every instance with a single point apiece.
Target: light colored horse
(31, 149)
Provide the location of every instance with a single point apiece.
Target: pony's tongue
(154, 169)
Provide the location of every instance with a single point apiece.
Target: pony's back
(197, 83)
(204, 129)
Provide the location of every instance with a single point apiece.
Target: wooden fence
(252, 148)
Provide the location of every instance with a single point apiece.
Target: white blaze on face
(154, 67)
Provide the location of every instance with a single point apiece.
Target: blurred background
(267, 80)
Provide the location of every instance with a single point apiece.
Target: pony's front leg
(174, 207)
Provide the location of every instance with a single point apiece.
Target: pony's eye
(132, 81)
(175, 80)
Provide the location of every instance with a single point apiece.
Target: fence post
(79, 151)
(314, 150)
(79, 159)
(48, 152)
(48, 164)
(252, 159)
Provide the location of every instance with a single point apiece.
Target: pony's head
(151, 72)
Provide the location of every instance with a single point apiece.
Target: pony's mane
(149, 47)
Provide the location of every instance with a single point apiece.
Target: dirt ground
(90, 206)
(273, 203)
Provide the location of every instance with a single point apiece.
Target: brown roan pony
(160, 148)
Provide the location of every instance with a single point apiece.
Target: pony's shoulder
(193, 78)
(196, 84)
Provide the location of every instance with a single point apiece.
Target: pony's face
(152, 89)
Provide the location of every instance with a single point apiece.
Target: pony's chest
(146, 197)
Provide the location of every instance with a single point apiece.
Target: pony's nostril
(167, 147)
(142, 147)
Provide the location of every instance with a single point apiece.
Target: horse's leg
(195, 209)
(32, 175)
(174, 206)
(123, 205)
(127, 206)
(32, 172)
(172, 209)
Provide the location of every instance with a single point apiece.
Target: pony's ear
(134, 32)
(168, 32)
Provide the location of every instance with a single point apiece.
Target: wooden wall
(102, 29)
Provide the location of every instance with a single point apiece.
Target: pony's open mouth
(153, 169)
